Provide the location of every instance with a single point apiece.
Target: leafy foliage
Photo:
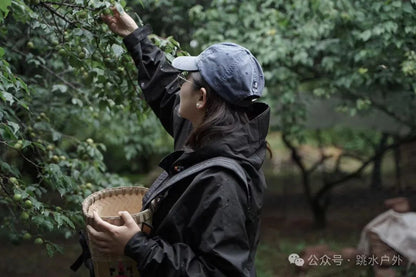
(67, 91)
(359, 52)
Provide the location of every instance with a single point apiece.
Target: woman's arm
(156, 77)
(212, 221)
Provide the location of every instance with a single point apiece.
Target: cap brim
(185, 63)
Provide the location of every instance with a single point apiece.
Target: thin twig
(68, 5)
(21, 154)
(55, 12)
(47, 69)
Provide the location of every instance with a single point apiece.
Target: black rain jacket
(201, 227)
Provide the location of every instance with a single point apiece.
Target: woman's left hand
(112, 239)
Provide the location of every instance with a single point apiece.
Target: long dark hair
(220, 116)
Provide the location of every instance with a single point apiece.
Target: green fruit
(61, 51)
(107, 11)
(55, 159)
(50, 147)
(13, 180)
(81, 55)
(18, 146)
(24, 216)
(90, 141)
(82, 14)
(17, 197)
(362, 70)
(38, 241)
(88, 185)
(30, 45)
(27, 236)
(28, 204)
(62, 158)
(120, 69)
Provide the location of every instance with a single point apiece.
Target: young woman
(206, 224)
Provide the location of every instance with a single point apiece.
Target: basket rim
(109, 192)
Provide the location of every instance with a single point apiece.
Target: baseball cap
(230, 69)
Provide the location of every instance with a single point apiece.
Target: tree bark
(376, 180)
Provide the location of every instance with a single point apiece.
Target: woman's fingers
(128, 219)
(120, 22)
(108, 19)
(101, 224)
(110, 238)
(115, 11)
(96, 235)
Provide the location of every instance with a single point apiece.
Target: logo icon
(295, 259)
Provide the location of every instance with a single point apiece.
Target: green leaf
(61, 88)
(1, 52)
(7, 97)
(14, 125)
(118, 50)
(50, 249)
(7, 168)
(365, 35)
(56, 135)
(58, 219)
(4, 4)
(68, 221)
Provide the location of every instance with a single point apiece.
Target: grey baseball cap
(230, 69)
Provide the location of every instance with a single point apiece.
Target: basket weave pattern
(107, 203)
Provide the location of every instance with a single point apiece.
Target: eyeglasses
(182, 79)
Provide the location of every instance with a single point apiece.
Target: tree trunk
(319, 214)
(318, 209)
(397, 165)
(376, 180)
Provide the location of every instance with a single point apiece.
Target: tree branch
(383, 109)
(55, 12)
(69, 5)
(298, 160)
(318, 163)
(331, 185)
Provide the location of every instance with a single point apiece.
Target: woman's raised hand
(120, 22)
(112, 239)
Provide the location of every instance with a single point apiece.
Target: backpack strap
(85, 257)
(162, 183)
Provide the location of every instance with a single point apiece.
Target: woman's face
(190, 105)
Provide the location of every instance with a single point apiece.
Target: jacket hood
(247, 144)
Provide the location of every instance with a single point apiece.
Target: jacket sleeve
(157, 80)
(214, 220)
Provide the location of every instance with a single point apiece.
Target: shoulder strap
(224, 162)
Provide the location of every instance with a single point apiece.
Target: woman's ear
(202, 100)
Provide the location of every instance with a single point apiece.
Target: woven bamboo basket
(107, 203)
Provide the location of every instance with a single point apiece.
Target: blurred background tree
(358, 56)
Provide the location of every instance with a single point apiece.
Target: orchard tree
(361, 53)
(67, 85)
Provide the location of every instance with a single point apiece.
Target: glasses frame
(182, 79)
